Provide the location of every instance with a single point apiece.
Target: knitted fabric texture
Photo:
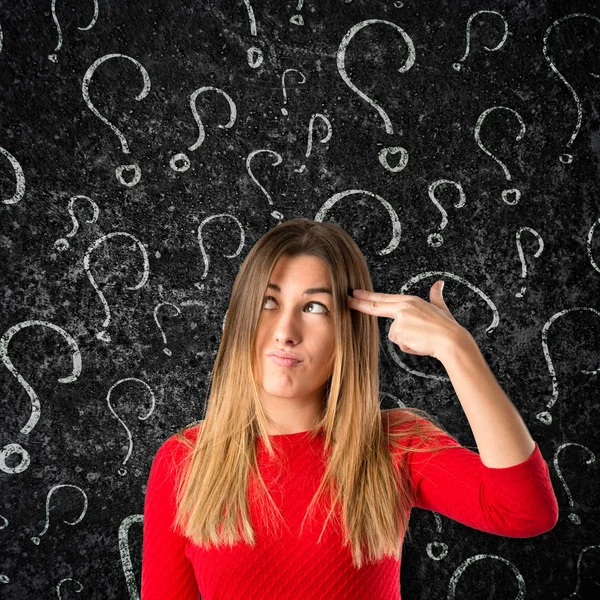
(517, 501)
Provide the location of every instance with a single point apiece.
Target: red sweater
(516, 501)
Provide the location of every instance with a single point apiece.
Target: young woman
(296, 484)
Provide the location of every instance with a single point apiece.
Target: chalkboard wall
(146, 146)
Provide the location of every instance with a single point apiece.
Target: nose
(287, 326)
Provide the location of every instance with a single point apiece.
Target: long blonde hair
(374, 495)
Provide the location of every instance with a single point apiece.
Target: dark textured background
(531, 264)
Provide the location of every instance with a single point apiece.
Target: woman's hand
(419, 327)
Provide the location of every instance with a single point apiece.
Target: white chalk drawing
(284, 110)
(396, 227)
(576, 594)
(275, 213)
(19, 176)
(205, 256)
(54, 56)
(393, 398)
(471, 561)
(201, 131)
(157, 308)
(298, 19)
(410, 60)
(545, 417)
(123, 471)
(540, 249)
(36, 538)
(573, 517)
(405, 289)
(457, 65)
(568, 157)
(62, 582)
(510, 196)
(125, 553)
(62, 244)
(588, 247)
(104, 335)
(15, 449)
(131, 168)
(437, 550)
(311, 126)
(435, 240)
(253, 54)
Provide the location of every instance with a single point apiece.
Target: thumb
(435, 295)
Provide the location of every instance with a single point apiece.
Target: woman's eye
(324, 312)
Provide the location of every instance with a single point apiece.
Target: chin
(281, 391)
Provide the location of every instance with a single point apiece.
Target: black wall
(114, 291)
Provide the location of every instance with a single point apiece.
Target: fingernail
(441, 285)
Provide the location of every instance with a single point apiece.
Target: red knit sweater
(516, 501)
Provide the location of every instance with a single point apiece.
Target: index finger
(378, 304)
(378, 296)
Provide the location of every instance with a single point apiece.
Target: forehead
(301, 267)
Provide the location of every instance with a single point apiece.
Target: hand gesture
(419, 327)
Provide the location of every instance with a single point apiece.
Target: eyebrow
(309, 291)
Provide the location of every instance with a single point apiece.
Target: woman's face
(296, 319)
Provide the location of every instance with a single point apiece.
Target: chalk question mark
(437, 550)
(471, 561)
(298, 19)
(540, 249)
(284, 111)
(254, 54)
(410, 59)
(576, 593)
(19, 176)
(201, 131)
(64, 581)
(36, 539)
(104, 335)
(54, 57)
(545, 417)
(62, 244)
(3, 577)
(36, 410)
(275, 213)
(435, 240)
(125, 553)
(567, 157)
(123, 471)
(513, 191)
(573, 517)
(120, 170)
(166, 350)
(310, 136)
(457, 65)
(395, 222)
(205, 256)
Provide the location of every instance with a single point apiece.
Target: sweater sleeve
(167, 573)
(517, 501)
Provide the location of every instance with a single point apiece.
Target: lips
(284, 362)
(283, 354)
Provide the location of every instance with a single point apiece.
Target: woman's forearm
(502, 437)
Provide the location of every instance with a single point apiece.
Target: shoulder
(177, 447)
(400, 419)
(407, 417)
(413, 427)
